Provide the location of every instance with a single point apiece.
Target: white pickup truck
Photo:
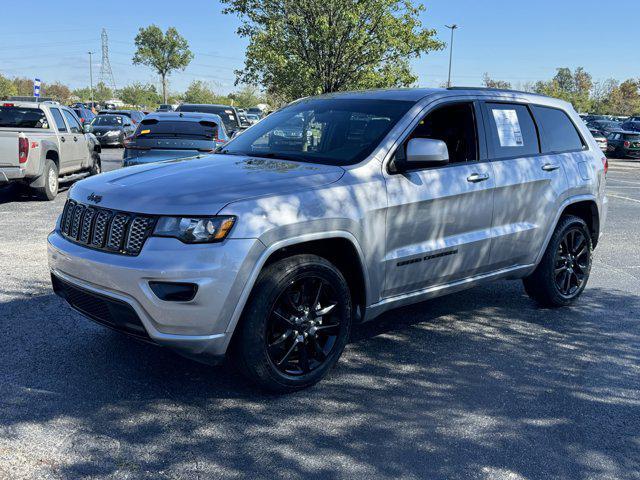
(41, 142)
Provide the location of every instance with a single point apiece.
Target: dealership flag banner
(36, 87)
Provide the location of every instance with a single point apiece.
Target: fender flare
(255, 272)
(569, 201)
(46, 147)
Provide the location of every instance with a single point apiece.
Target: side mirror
(86, 128)
(426, 152)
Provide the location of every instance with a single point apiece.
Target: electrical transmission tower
(106, 74)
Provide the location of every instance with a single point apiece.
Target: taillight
(605, 164)
(23, 149)
(627, 144)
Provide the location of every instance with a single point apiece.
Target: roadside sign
(36, 87)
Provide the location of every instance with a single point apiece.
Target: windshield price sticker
(508, 126)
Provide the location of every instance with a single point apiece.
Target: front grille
(101, 309)
(104, 229)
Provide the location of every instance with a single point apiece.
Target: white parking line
(623, 198)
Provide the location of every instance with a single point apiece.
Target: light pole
(91, 78)
(452, 27)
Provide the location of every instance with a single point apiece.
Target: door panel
(525, 204)
(438, 226)
(77, 139)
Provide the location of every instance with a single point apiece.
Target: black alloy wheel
(303, 326)
(572, 262)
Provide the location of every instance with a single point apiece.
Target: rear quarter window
(19, 117)
(558, 132)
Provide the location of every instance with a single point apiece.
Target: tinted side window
(512, 132)
(73, 123)
(558, 131)
(57, 117)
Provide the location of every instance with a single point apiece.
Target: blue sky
(519, 41)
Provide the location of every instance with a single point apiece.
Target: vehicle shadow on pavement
(477, 384)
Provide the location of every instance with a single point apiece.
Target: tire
(50, 188)
(564, 270)
(281, 343)
(96, 166)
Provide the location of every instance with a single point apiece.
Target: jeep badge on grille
(94, 198)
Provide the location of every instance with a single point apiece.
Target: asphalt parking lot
(480, 384)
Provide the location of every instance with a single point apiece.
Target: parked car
(165, 107)
(604, 126)
(85, 115)
(624, 144)
(171, 135)
(228, 114)
(271, 250)
(253, 118)
(42, 141)
(630, 126)
(600, 139)
(136, 116)
(111, 129)
(255, 111)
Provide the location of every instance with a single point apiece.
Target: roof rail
(492, 89)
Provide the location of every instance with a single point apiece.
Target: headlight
(195, 230)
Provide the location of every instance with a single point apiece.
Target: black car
(229, 115)
(604, 126)
(85, 115)
(136, 116)
(631, 125)
(111, 129)
(172, 135)
(623, 144)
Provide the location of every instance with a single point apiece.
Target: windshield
(107, 120)
(18, 117)
(226, 114)
(333, 131)
(202, 130)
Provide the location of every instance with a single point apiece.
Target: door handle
(62, 139)
(75, 139)
(477, 177)
(550, 167)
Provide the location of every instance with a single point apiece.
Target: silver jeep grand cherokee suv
(332, 211)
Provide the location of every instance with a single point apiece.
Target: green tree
(57, 91)
(24, 86)
(574, 87)
(163, 52)
(624, 99)
(139, 95)
(7, 88)
(247, 96)
(102, 93)
(491, 83)
(201, 92)
(306, 47)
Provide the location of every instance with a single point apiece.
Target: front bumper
(198, 328)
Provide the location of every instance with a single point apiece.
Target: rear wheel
(296, 324)
(50, 188)
(563, 273)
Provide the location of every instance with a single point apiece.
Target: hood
(200, 186)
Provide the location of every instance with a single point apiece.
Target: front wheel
(295, 325)
(564, 270)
